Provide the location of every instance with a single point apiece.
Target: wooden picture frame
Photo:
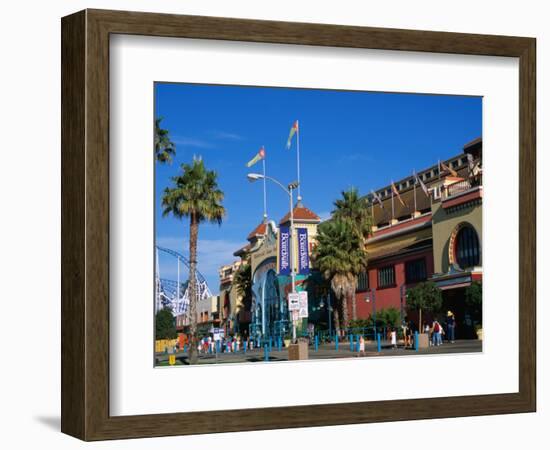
(85, 224)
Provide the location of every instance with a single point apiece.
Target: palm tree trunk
(345, 318)
(193, 239)
(336, 319)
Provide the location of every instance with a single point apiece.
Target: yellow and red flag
(448, 169)
(396, 192)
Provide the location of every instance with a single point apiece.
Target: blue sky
(361, 139)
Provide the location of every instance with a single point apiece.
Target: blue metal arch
(185, 261)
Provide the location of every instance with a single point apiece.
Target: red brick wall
(389, 297)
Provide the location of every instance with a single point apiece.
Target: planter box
(423, 340)
(298, 351)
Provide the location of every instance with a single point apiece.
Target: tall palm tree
(354, 208)
(196, 195)
(338, 255)
(165, 149)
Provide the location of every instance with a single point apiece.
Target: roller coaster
(174, 294)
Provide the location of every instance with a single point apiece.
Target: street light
(289, 190)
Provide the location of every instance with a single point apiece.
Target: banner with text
(303, 252)
(283, 255)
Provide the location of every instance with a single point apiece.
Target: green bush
(165, 327)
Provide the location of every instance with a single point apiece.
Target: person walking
(393, 338)
(405, 332)
(436, 333)
(451, 324)
(411, 328)
(362, 346)
(427, 330)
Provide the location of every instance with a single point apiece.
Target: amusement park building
(434, 234)
(438, 240)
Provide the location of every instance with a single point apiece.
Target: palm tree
(354, 208)
(164, 147)
(196, 195)
(338, 255)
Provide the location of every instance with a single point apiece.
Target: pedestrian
(411, 328)
(362, 346)
(405, 332)
(393, 335)
(428, 331)
(451, 324)
(436, 327)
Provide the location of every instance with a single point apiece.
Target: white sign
(302, 311)
(294, 301)
(218, 333)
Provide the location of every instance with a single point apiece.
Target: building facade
(268, 315)
(426, 228)
(432, 232)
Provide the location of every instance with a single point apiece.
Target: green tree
(424, 297)
(391, 316)
(354, 208)
(165, 149)
(194, 195)
(338, 255)
(474, 298)
(165, 327)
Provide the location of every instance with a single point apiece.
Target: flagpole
(414, 172)
(265, 195)
(392, 208)
(372, 208)
(298, 160)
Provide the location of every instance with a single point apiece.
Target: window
(415, 270)
(467, 247)
(386, 277)
(363, 281)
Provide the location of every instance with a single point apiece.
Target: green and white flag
(293, 131)
(259, 156)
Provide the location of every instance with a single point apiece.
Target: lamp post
(289, 191)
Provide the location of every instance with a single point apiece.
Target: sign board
(293, 301)
(303, 251)
(303, 310)
(283, 256)
(218, 333)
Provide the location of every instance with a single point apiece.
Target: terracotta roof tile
(301, 213)
(258, 231)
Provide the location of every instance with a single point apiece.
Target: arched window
(467, 251)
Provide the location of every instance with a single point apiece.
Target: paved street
(325, 351)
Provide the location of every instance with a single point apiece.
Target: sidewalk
(326, 351)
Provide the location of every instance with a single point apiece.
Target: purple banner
(284, 251)
(303, 252)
